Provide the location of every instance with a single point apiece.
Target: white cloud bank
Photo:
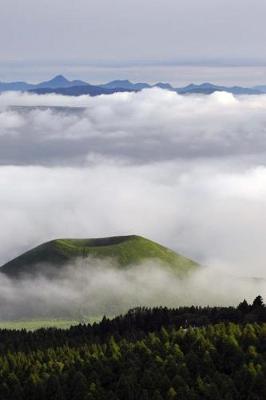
(93, 288)
(137, 127)
(188, 172)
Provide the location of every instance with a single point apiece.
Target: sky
(98, 40)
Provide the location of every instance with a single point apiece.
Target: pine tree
(171, 394)
(157, 395)
(79, 387)
(258, 302)
(243, 306)
(53, 389)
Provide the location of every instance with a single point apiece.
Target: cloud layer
(153, 125)
(188, 172)
(93, 288)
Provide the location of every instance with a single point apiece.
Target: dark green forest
(188, 353)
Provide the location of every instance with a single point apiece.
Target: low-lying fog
(186, 171)
(93, 288)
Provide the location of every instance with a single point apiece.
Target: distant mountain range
(60, 85)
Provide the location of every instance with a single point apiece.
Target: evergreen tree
(53, 389)
(243, 306)
(157, 395)
(79, 387)
(258, 303)
(171, 394)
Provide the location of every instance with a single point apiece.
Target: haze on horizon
(152, 40)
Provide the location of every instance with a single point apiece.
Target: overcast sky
(179, 41)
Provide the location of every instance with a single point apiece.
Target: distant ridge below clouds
(61, 85)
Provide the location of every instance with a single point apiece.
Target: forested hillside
(186, 353)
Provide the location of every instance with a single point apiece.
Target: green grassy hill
(125, 250)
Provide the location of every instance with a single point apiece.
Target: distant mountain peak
(60, 78)
(123, 81)
(59, 81)
(206, 84)
(125, 84)
(164, 85)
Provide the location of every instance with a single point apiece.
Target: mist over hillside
(80, 279)
(95, 287)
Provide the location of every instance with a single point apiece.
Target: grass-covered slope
(125, 250)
